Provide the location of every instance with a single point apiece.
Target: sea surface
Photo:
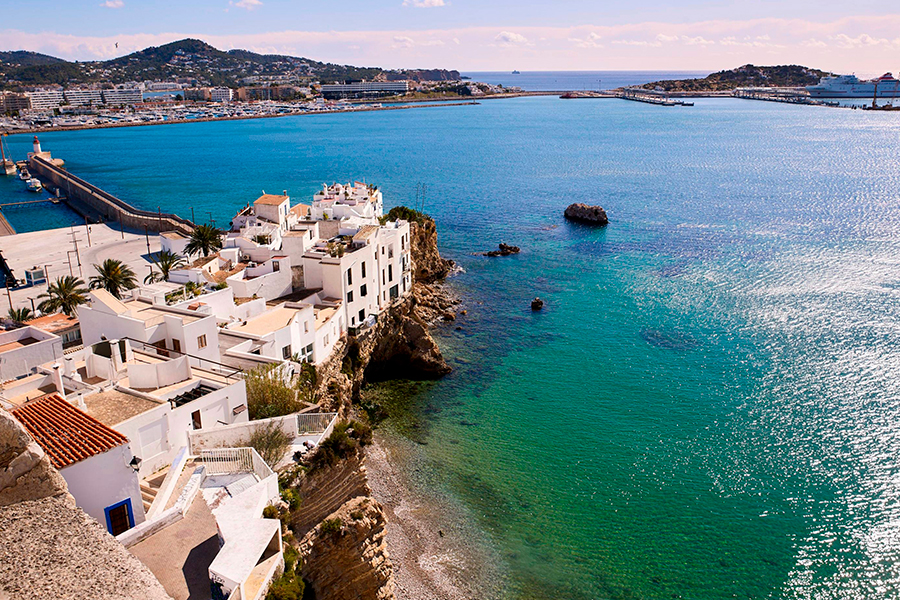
(709, 404)
(536, 81)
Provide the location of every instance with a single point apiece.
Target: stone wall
(106, 205)
(326, 491)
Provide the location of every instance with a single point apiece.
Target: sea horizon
(538, 81)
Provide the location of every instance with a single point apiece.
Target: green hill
(191, 59)
(745, 76)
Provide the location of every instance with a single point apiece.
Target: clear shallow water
(708, 406)
(536, 81)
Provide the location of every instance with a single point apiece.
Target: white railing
(223, 461)
(314, 422)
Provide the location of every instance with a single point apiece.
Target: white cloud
(508, 38)
(696, 41)
(248, 4)
(591, 41)
(861, 41)
(402, 41)
(666, 38)
(113, 4)
(813, 43)
(423, 3)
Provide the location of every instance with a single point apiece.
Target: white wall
(103, 480)
(20, 361)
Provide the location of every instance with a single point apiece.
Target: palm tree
(204, 239)
(166, 262)
(67, 293)
(19, 315)
(114, 276)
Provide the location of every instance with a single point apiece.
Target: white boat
(850, 86)
(34, 185)
(24, 175)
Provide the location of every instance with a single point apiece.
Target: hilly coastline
(192, 59)
(744, 76)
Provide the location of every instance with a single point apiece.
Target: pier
(783, 95)
(650, 97)
(102, 205)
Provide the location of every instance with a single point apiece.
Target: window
(176, 345)
(363, 291)
(391, 251)
(382, 277)
(403, 242)
(390, 272)
(306, 327)
(119, 517)
(195, 420)
(362, 315)
(275, 266)
(363, 267)
(349, 296)
(201, 341)
(350, 276)
(326, 339)
(395, 292)
(286, 352)
(352, 320)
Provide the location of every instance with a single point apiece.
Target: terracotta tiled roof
(54, 322)
(67, 434)
(301, 210)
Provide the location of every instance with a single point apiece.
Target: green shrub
(270, 512)
(331, 526)
(356, 515)
(345, 441)
(270, 442)
(291, 497)
(404, 213)
(267, 393)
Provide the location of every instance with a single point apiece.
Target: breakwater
(106, 206)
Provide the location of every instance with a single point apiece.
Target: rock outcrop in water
(504, 250)
(585, 213)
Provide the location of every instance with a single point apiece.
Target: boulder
(585, 213)
(504, 250)
(537, 304)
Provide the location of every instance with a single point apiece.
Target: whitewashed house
(94, 459)
(181, 331)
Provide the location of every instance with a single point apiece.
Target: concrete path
(179, 555)
(54, 248)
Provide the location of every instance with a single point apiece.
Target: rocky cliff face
(352, 562)
(345, 557)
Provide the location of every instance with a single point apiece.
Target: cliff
(345, 556)
(351, 561)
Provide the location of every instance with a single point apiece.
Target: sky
(861, 36)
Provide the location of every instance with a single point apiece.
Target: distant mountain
(190, 59)
(745, 76)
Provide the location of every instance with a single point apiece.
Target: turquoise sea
(709, 404)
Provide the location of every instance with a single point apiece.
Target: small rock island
(585, 213)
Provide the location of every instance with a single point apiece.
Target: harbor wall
(105, 204)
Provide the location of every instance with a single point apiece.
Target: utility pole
(122, 227)
(9, 295)
(87, 228)
(147, 235)
(193, 219)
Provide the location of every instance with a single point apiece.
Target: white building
(364, 88)
(46, 100)
(360, 202)
(95, 460)
(220, 94)
(24, 348)
(189, 332)
(123, 96)
(394, 261)
(174, 242)
(83, 97)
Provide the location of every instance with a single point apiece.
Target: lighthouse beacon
(36, 145)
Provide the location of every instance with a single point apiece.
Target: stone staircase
(150, 488)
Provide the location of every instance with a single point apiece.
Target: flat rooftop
(17, 344)
(152, 314)
(269, 321)
(54, 323)
(113, 407)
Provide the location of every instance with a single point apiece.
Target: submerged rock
(504, 250)
(537, 304)
(585, 213)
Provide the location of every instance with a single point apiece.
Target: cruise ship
(850, 86)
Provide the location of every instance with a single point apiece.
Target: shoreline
(37, 130)
(436, 551)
